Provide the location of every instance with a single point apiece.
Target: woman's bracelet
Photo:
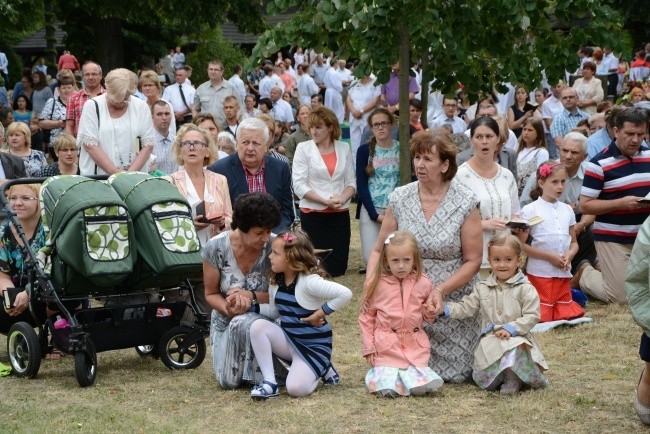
(441, 291)
(254, 302)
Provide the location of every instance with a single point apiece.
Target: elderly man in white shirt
(181, 96)
(449, 106)
(281, 110)
(334, 87)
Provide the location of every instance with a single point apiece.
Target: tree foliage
(141, 29)
(212, 45)
(482, 43)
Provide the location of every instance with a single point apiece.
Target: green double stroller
(113, 242)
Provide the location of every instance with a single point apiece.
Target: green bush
(212, 45)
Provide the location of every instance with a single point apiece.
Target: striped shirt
(611, 175)
(255, 180)
(314, 344)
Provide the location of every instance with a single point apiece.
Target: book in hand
(9, 296)
(645, 200)
(516, 223)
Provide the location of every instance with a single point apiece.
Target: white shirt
(551, 235)
(281, 111)
(361, 95)
(239, 84)
(116, 137)
(506, 99)
(498, 198)
(4, 63)
(310, 173)
(612, 62)
(529, 153)
(306, 88)
(173, 95)
(345, 74)
(550, 109)
(456, 123)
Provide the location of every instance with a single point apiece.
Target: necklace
(436, 199)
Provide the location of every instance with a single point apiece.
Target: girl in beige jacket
(506, 354)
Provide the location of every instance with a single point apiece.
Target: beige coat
(515, 304)
(594, 91)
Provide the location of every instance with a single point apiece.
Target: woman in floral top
(13, 255)
(19, 144)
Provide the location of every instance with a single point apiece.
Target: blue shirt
(566, 121)
(597, 142)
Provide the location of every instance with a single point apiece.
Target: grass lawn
(593, 373)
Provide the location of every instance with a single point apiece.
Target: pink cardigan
(216, 185)
(391, 328)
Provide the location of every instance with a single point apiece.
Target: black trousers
(612, 82)
(644, 348)
(7, 321)
(586, 248)
(329, 231)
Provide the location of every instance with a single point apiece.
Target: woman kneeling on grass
(304, 338)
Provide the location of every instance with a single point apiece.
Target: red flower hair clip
(287, 238)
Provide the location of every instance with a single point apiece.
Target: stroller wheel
(147, 351)
(177, 354)
(24, 350)
(85, 365)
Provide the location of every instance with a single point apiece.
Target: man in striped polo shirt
(615, 180)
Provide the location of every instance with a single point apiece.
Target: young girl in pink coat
(394, 344)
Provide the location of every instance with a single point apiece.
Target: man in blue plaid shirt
(569, 118)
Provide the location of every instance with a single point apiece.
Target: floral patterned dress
(34, 162)
(13, 256)
(233, 358)
(452, 341)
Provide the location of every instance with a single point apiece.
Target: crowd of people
(557, 174)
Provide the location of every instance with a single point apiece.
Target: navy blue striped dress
(314, 344)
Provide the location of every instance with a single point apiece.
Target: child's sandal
(261, 391)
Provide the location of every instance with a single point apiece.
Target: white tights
(268, 339)
(416, 391)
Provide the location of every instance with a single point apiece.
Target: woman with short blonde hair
(19, 144)
(115, 131)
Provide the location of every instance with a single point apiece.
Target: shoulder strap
(98, 124)
(180, 89)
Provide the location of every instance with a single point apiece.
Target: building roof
(36, 41)
(231, 33)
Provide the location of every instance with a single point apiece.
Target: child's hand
(521, 233)
(556, 260)
(429, 313)
(370, 358)
(502, 334)
(317, 319)
(365, 304)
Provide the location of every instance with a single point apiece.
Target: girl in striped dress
(303, 338)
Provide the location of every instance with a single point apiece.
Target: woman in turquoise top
(377, 176)
(23, 110)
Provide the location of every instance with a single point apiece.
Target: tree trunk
(404, 151)
(109, 46)
(425, 85)
(50, 40)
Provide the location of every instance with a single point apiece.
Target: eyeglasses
(378, 125)
(92, 74)
(451, 105)
(21, 198)
(196, 145)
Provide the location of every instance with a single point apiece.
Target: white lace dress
(452, 341)
(118, 138)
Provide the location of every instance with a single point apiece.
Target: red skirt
(555, 298)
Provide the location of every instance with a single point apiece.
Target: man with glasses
(181, 96)
(449, 108)
(92, 75)
(210, 95)
(568, 118)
